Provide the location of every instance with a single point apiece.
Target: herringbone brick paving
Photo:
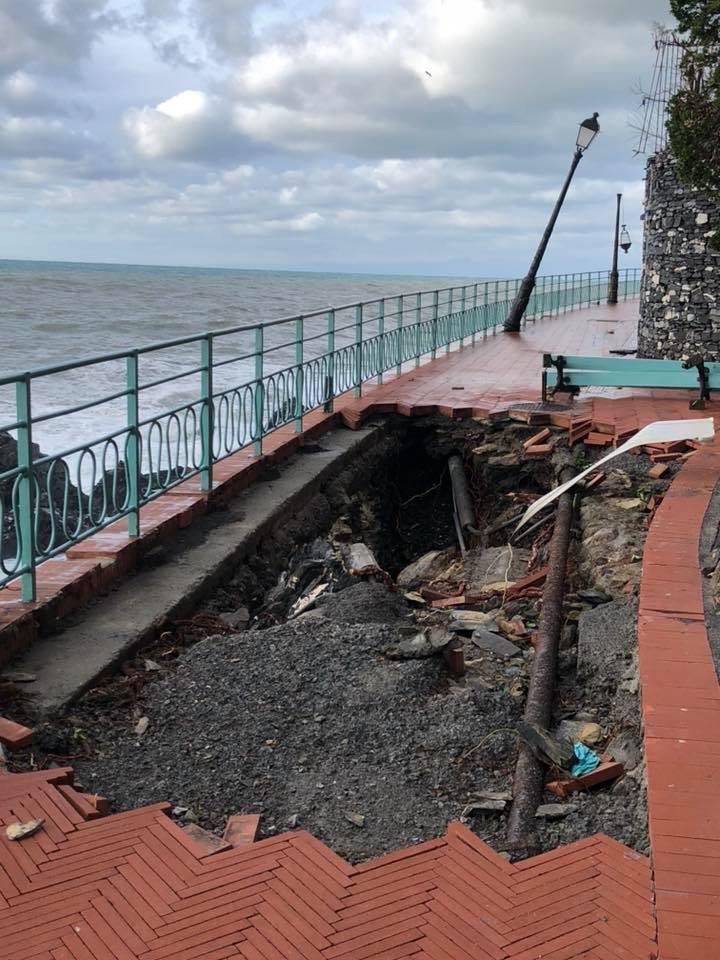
(135, 885)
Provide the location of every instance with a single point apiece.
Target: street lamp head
(625, 241)
(589, 129)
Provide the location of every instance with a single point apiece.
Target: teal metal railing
(219, 393)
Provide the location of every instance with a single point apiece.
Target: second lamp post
(589, 129)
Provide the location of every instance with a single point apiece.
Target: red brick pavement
(135, 885)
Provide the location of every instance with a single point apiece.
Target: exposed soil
(329, 718)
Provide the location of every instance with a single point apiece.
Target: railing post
(357, 390)
(206, 418)
(25, 522)
(497, 300)
(330, 393)
(418, 331)
(463, 319)
(299, 372)
(400, 352)
(449, 338)
(435, 308)
(259, 390)
(475, 314)
(381, 340)
(133, 445)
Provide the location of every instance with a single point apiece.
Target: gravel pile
(308, 723)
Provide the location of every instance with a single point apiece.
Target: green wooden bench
(566, 374)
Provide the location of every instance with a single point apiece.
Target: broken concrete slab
(495, 643)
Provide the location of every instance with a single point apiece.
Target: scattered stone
(357, 819)
(293, 821)
(595, 597)
(504, 795)
(421, 645)
(632, 503)
(555, 811)
(483, 806)
(579, 731)
(626, 749)
(237, 619)
(142, 725)
(494, 643)
(151, 666)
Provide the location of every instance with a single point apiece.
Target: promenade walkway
(135, 885)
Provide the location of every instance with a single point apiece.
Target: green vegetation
(694, 112)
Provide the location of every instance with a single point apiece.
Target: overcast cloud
(419, 136)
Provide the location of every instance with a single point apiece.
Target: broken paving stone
(483, 806)
(493, 795)
(430, 566)
(17, 831)
(465, 621)
(356, 819)
(555, 811)
(550, 751)
(494, 643)
(632, 503)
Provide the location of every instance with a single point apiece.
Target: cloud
(320, 132)
(54, 34)
(192, 125)
(427, 77)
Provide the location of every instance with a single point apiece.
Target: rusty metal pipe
(461, 495)
(529, 773)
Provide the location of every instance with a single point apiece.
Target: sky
(395, 136)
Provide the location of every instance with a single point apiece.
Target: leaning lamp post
(589, 129)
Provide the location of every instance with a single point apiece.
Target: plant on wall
(694, 111)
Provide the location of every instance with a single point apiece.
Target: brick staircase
(136, 885)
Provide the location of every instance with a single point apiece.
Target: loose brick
(13, 735)
(241, 830)
(594, 439)
(537, 439)
(594, 480)
(539, 451)
(601, 774)
(659, 470)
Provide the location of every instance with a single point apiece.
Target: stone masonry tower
(680, 298)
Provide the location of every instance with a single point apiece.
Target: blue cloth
(587, 760)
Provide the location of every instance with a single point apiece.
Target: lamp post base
(519, 306)
(613, 287)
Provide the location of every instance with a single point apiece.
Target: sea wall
(680, 298)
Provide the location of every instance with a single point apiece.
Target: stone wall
(680, 299)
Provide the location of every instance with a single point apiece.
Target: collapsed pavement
(328, 700)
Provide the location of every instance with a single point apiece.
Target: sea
(53, 314)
